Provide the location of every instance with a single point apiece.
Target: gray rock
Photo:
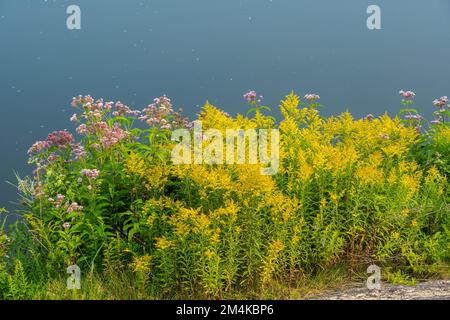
(429, 290)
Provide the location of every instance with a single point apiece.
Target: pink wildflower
(108, 105)
(311, 97)
(407, 95)
(59, 199)
(122, 110)
(85, 101)
(74, 118)
(60, 138)
(78, 151)
(39, 146)
(166, 126)
(250, 96)
(113, 136)
(51, 157)
(95, 146)
(161, 114)
(98, 127)
(74, 207)
(413, 116)
(91, 174)
(76, 101)
(82, 129)
(97, 105)
(436, 121)
(94, 115)
(441, 102)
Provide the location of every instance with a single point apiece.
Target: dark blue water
(193, 50)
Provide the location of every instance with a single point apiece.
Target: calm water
(193, 50)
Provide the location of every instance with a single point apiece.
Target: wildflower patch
(228, 206)
(237, 147)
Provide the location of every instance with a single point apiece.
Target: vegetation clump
(348, 193)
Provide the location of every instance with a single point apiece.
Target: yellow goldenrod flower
(141, 264)
(162, 243)
(135, 165)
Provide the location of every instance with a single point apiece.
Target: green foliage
(4, 248)
(19, 287)
(348, 192)
(400, 278)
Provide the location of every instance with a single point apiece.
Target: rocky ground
(429, 290)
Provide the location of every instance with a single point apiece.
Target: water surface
(193, 50)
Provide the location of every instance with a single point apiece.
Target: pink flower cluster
(114, 135)
(89, 104)
(161, 114)
(436, 121)
(39, 146)
(407, 95)
(108, 136)
(74, 207)
(90, 173)
(58, 203)
(252, 99)
(99, 127)
(78, 151)
(56, 138)
(161, 107)
(51, 157)
(441, 102)
(95, 110)
(311, 97)
(82, 100)
(413, 117)
(82, 129)
(60, 138)
(74, 118)
(122, 110)
(250, 96)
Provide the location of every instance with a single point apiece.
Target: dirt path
(430, 290)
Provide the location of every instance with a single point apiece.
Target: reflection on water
(202, 49)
